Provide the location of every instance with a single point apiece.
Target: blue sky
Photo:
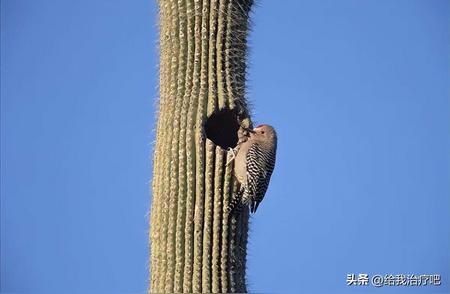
(359, 94)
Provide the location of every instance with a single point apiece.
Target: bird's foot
(233, 155)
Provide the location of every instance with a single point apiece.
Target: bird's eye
(262, 132)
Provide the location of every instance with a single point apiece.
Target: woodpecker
(253, 166)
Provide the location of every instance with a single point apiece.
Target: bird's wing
(260, 165)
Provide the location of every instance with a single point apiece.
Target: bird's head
(266, 132)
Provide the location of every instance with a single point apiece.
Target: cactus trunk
(196, 246)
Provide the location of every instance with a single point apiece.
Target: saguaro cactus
(196, 245)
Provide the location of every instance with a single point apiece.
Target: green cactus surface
(195, 244)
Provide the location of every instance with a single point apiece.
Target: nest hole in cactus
(222, 128)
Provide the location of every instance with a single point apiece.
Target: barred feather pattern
(260, 162)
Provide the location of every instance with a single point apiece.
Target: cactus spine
(195, 245)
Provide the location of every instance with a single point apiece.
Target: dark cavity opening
(222, 128)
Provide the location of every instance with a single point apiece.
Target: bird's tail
(254, 206)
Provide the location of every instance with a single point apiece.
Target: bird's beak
(249, 130)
